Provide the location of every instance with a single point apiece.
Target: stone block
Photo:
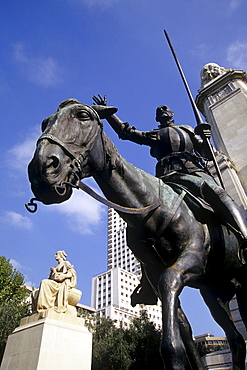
(49, 341)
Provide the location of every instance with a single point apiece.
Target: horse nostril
(52, 161)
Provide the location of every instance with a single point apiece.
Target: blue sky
(52, 50)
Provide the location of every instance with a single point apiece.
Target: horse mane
(114, 160)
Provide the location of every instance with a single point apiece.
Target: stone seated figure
(58, 292)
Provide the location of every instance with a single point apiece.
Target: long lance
(200, 124)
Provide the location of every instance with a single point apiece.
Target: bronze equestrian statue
(180, 241)
(182, 157)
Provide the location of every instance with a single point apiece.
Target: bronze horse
(178, 243)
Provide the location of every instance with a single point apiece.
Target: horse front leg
(172, 348)
(193, 357)
(187, 268)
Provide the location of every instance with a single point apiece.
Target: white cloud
(237, 55)
(17, 220)
(20, 155)
(18, 266)
(234, 4)
(15, 264)
(42, 71)
(83, 213)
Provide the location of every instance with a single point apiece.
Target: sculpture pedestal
(49, 340)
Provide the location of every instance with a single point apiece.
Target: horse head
(69, 149)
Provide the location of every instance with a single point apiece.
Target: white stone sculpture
(53, 337)
(58, 291)
(211, 71)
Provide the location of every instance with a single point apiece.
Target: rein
(117, 207)
(32, 207)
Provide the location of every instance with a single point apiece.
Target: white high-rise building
(119, 254)
(111, 290)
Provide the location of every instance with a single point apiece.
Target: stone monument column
(222, 99)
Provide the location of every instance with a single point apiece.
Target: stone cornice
(217, 83)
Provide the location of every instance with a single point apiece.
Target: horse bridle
(75, 182)
(76, 165)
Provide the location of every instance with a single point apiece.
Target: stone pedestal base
(49, 341)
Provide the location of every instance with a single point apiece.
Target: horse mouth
(51, 194)
(48, 189)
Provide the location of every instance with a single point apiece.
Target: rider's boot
(240, 223)
(242, 227)
(243, 249)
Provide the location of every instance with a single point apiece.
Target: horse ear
(104, 111)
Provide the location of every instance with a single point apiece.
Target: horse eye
(83, 115)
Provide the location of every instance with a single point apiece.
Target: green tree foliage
(145, 340)
(110, 349)
(204, 349)
(13, 304)
(133, 348)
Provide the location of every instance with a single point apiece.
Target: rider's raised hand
(101, 107)
(99, 100)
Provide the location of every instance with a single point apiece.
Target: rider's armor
(181, 159)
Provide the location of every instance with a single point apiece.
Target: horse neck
(123, 183)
